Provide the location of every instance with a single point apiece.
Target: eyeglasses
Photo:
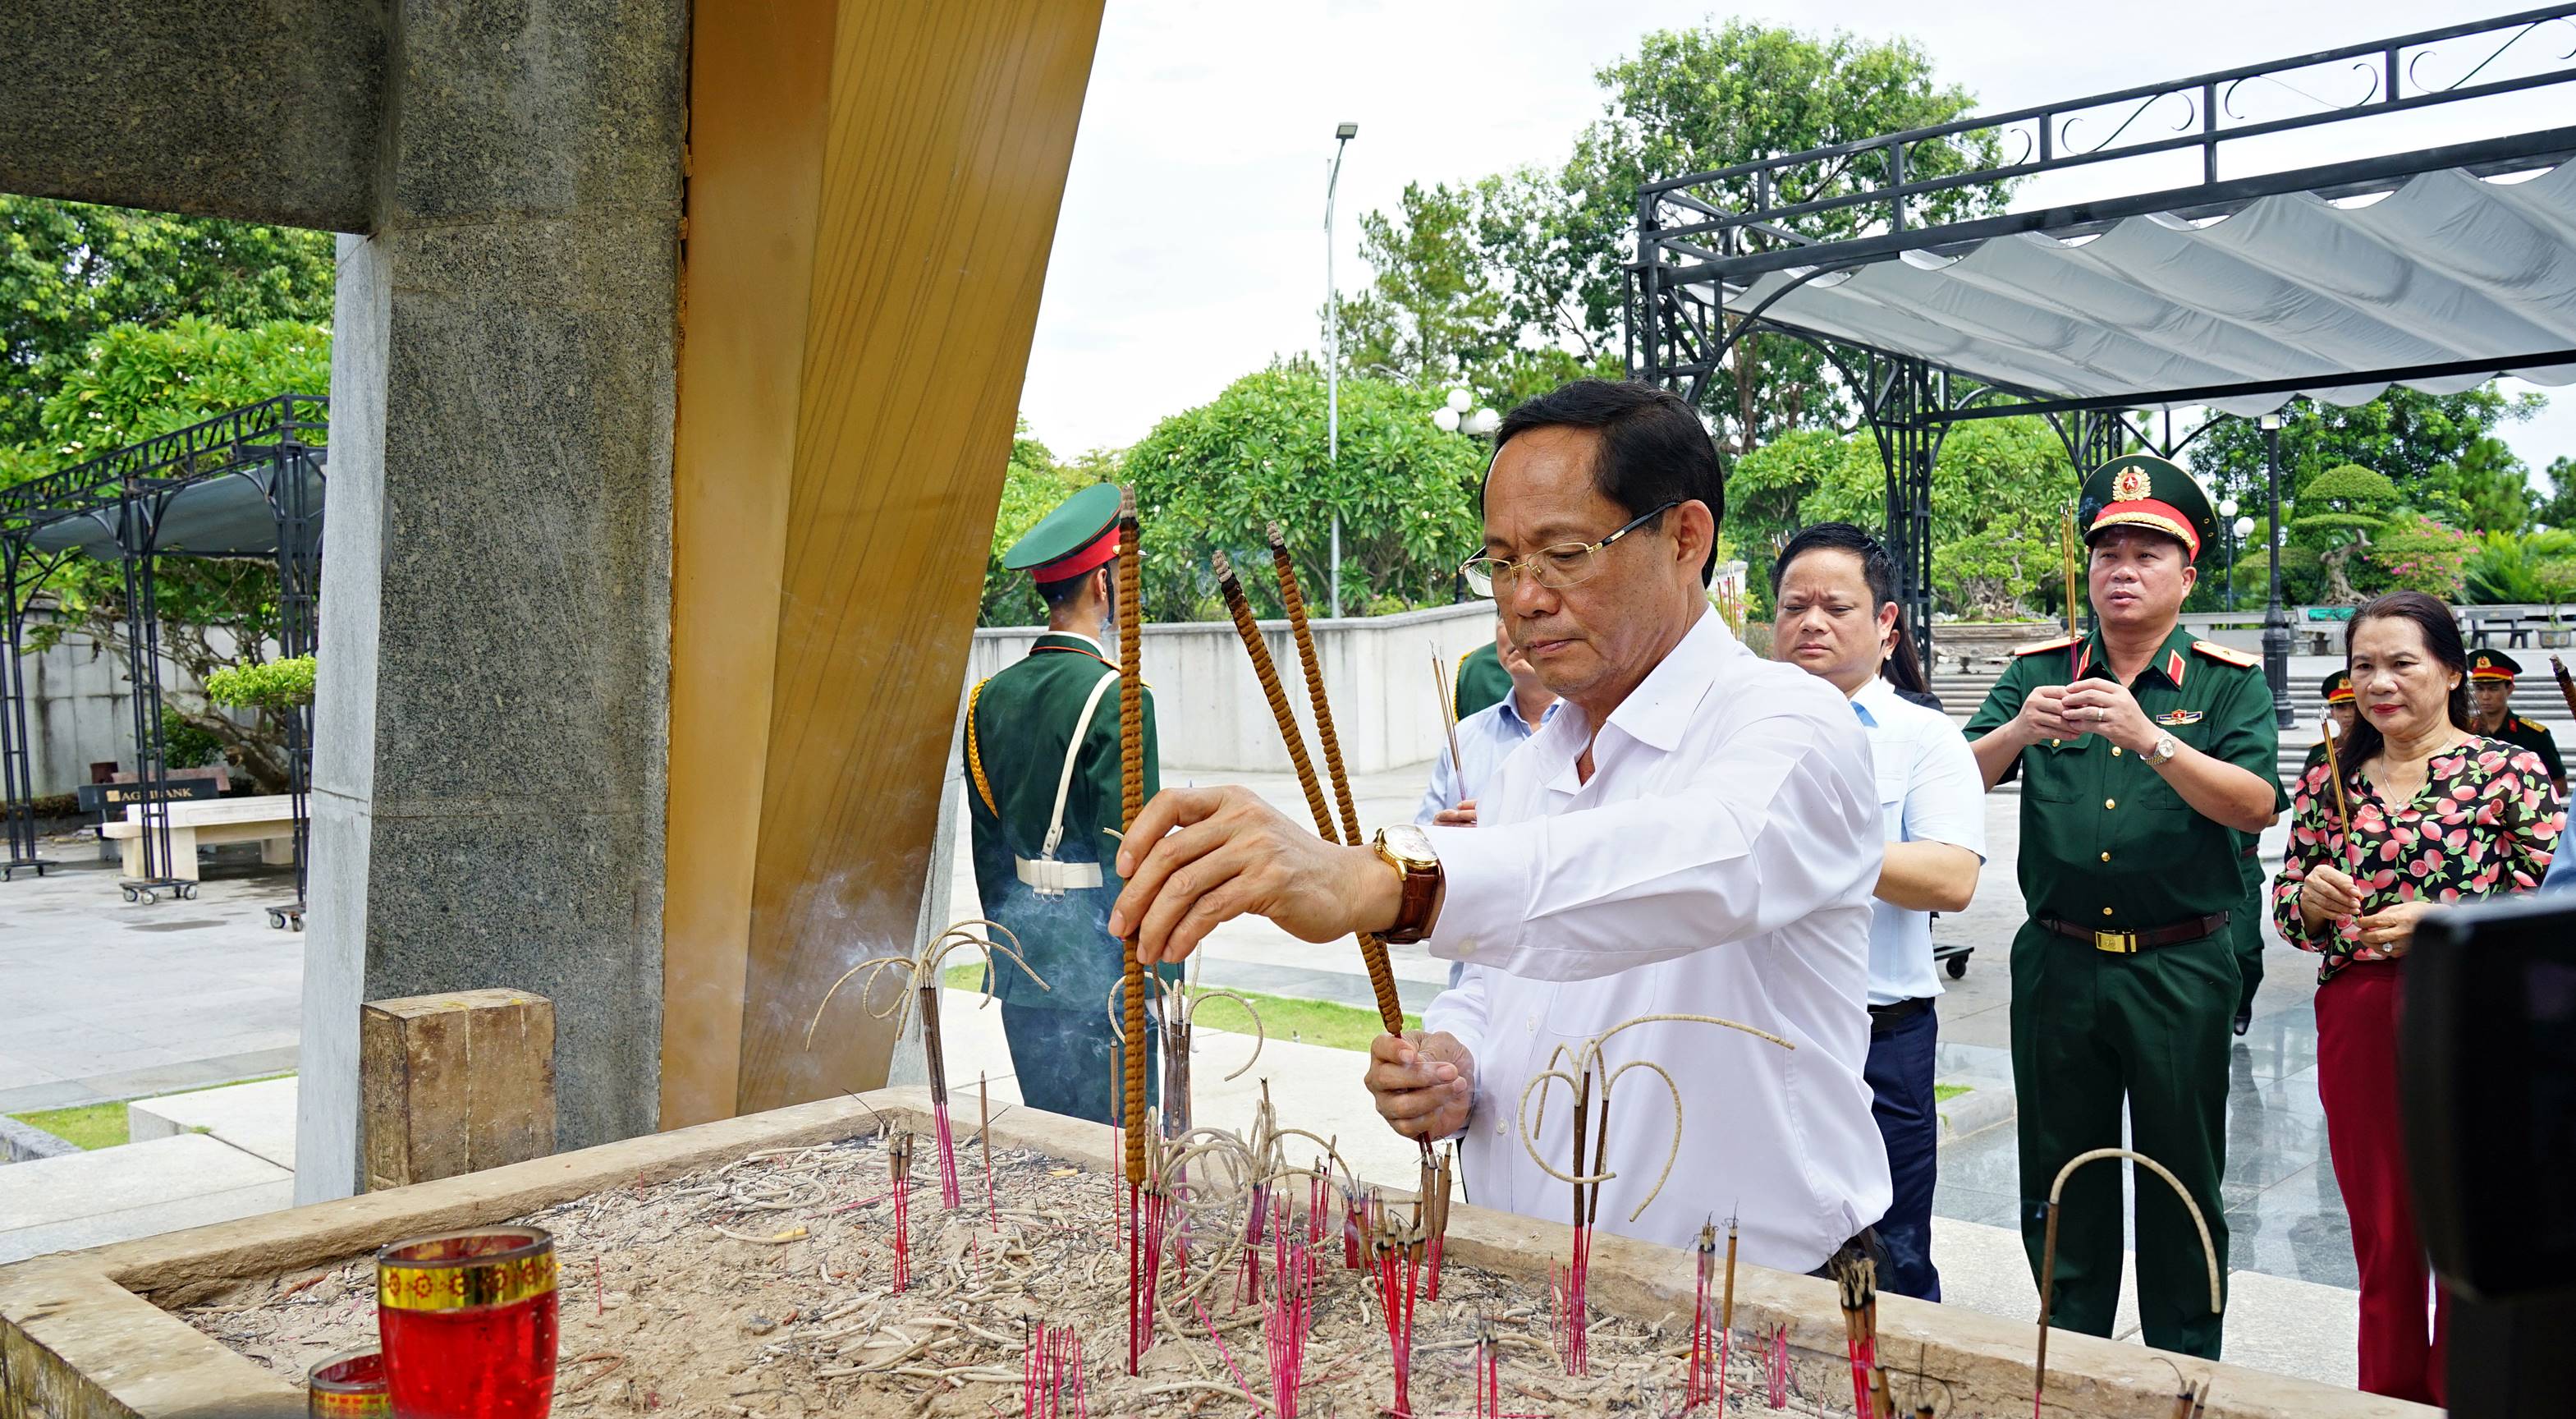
(1555, 568)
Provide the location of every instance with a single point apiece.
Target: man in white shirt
(1833, 592)
(1695, 833)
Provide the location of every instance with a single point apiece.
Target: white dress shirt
(1929, 789)
(1719, 862)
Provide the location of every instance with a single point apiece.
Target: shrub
(274, 684)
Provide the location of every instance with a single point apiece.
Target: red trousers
(2357, 1083)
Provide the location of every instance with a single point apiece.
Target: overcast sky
(1191, 246)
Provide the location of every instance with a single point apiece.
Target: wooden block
(454, 1083)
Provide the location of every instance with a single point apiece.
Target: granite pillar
(489, 768)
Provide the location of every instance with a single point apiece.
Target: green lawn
(1313, 1022)
(87, 1126)
(95, 1126)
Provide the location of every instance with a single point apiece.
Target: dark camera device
(2487, 1053)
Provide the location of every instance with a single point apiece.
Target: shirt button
(2053, 743)
(2110, 803)
(1466, 948)
(2106, 911)
(2115, 751)
(2106, 857)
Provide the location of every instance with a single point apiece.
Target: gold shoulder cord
(975, 752)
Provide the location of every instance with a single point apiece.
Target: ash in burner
(764, 1287)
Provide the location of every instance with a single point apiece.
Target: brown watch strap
(1413, 913)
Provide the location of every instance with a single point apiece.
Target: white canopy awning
(2448, 268)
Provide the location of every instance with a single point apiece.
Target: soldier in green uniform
(2337, 691)
(2491, 675)
(1042, 770)
(2144, 756)
(1481, 681)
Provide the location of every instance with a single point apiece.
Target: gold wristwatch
(1407, 849)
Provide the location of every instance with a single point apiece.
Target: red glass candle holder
(350, 1385)
(467, 1320)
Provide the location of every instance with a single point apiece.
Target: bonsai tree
(2338, 511)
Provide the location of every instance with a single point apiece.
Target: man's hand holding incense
(1199, 857)
(1424, 1085)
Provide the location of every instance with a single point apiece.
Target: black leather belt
(2130, 943)
(1884, 1015)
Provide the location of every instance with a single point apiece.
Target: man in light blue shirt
(1485, 739)
(1834, 593)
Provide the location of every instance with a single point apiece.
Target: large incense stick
(1372, 951)
(1294, 599)
(1131, 767)
(2566, 683)
(1381, 974)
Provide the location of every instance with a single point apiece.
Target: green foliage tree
(131, 383)
(2504, 569)
(1513, 284)
(1999, 491)
(2421, 442)
(69, 271)
(2415, 553)
(2337, 512)
(2488, 485)
(2559, 508)
(1032, 485)
(1211, 478)
(1702, 99)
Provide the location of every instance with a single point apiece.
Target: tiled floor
(110, 999)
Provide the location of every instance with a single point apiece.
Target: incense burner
(95, 1334)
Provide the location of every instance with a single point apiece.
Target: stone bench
(268, 820)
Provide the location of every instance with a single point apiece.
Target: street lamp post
(2227, 516)
(2276, 617)
(1342, 136)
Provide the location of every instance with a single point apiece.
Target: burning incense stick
(1489, 1370)
(2334, 772)
(1372, 951)
(1778, 1368)
(1447, 694)
(899, 1174)
(2066, 541)
(1373, 956)
(1435, 1209)
(1396, 1248)
(984, 1145)
(1131, 766)
(1698, 1384)
(1726, 1313)
(2566, 683)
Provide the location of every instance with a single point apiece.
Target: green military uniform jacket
(1481, 681)
(1019, 724)
(2523, 734)
(2105, 842)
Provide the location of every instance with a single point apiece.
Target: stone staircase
(2537, 699)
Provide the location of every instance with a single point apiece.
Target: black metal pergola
(245, 484)
(1828, 247)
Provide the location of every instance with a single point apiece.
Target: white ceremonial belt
(1050, 878)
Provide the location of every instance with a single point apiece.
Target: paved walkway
(110, 999)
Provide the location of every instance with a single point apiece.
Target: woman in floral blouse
(2438, 815)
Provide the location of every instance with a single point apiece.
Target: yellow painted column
(873, 193)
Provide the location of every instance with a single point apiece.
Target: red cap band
(2150, 514)
(1099, 553)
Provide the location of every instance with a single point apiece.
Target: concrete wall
(80, 708)
(1210, 713)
